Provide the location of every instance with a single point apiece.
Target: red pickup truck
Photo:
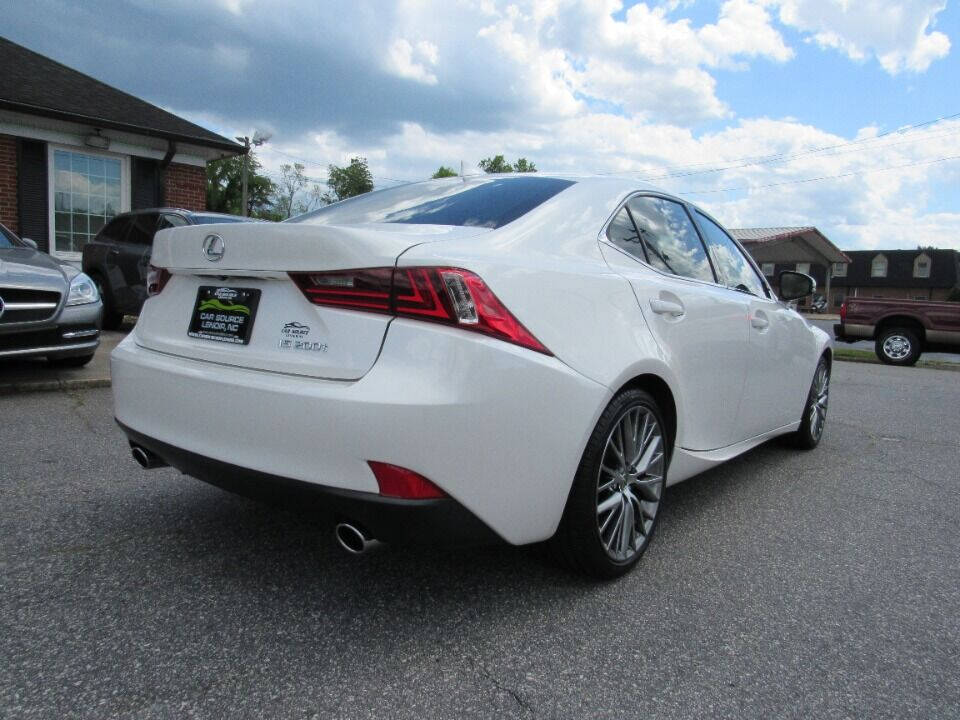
(901, 329)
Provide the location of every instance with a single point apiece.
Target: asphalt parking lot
(822, 584)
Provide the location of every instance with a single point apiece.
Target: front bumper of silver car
(75, 332)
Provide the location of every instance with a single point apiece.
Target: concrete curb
(50, 385)
(929, 365)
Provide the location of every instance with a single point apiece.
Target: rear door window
(116, 229)
(671, 241)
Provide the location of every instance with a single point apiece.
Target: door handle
(114, 251)
(666, 307)
(759, 322)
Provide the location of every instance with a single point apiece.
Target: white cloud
(412, 61)
(898, 34)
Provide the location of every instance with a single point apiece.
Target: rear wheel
(615, 499)
(898, 346)
(112, 319)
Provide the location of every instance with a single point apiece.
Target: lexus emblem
(213, 248)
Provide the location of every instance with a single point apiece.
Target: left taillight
(157, 279)
(447, 295)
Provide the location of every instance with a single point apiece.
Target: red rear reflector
(398, 482)
(843, 312)
(446, 295)
(157, 279)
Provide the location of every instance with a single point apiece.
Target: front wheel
(615, 499)
(898, 346)
(112, 319)
(808, 435)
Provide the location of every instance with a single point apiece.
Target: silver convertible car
(47, 308)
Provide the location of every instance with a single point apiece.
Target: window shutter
(144, 184)
(33, 190)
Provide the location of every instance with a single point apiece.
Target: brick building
(74, 152)
(921, 274)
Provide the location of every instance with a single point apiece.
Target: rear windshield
(474, 203)
(199, 219)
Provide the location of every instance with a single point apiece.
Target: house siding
(9, 214)
(185, 186)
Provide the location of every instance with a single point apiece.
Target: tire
(898, 346)
(808, 435)
(609, 542)
(70, 362)
(112, 319)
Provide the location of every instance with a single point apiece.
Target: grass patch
(868, 356)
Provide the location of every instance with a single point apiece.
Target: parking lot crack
(500, 687)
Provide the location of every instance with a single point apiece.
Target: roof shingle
(36, 85)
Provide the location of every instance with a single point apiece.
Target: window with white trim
(839, 270)
(767, 269)
(803, 268)
(87, 191)
(878, 268)
(921, 266)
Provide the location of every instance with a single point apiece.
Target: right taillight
(451, 296)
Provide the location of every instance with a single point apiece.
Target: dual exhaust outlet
(352, 539)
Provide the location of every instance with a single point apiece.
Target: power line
(822, 177)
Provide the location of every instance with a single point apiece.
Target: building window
(803, 268)
(878, 268)
(921, 266)
(768, 269)
(88, 190)
(839, 270)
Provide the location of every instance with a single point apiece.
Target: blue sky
(649, 89)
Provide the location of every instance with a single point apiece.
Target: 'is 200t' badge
(296, 336)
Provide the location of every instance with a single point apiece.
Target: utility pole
(258, 140)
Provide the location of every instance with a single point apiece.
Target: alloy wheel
(630, 483)
(818, 401)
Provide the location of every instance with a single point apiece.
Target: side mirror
(29, 243)
(795, 285)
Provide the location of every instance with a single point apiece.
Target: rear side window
(143, 228)
(732, 267)
(170, 221)
(623, 233)
(116, 229)
(669, 237)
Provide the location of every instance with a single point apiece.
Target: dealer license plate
(224, 314)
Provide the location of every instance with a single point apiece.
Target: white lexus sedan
(503, 357)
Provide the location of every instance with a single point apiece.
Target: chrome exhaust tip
(146, 459)
(354, 540)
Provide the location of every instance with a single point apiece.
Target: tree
(225, 191)
(443, 171)
(345, 182)
(523, 166)
(496, 164)
(292, 181)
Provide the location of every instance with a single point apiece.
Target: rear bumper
(852, 333)
(388, 519)
(499, 428)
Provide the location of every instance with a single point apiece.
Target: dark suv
(118, 258)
